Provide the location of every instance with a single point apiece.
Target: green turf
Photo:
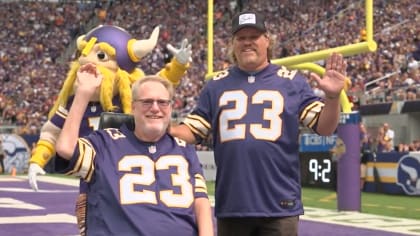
(372, 203)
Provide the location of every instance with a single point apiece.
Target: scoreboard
(317, 169)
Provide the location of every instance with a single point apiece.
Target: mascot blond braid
(116, 55)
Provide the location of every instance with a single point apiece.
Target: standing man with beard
(253, 111)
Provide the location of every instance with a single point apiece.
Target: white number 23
(238, 130)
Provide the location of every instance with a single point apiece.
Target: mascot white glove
(183, 54)
(33, 171)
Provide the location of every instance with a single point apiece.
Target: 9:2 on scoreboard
(317, 169)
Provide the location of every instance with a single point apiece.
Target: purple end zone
(42, 212)
(55, 199)
(312, 228)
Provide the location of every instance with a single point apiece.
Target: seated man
(141, 181)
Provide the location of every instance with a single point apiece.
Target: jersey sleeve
(82, 163)
(311, 105)
(199, 121)
(200, 187)
(60, 116)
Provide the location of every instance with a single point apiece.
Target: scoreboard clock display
(317, 169)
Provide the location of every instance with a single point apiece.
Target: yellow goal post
(306, 61)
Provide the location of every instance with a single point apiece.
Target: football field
(51, 212)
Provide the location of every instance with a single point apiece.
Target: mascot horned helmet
(126, 53)
(128, 50)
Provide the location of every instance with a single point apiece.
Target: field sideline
(321, 216)
(372, 203)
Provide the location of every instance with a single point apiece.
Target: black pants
(258, 226)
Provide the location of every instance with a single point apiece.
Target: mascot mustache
(114, 83)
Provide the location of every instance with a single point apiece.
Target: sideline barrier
(209, 166)
(17, 152)
(391, 173)
(394, 173)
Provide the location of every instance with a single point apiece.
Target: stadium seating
(36, 33)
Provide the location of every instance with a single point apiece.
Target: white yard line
(52, 179)
(362, 220)
(346, 218)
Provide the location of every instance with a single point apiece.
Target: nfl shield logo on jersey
(152, 149)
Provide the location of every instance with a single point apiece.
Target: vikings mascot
(116, 56)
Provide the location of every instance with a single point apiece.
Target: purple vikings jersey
(91, 117)
(138, 188)
(256, 119)
(90, 122)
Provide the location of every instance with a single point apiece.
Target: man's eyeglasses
(148, 102)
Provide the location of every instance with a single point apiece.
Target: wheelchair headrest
(115, 120)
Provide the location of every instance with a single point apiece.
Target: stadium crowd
(36, 33)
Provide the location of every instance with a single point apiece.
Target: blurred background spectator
(37, 36)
